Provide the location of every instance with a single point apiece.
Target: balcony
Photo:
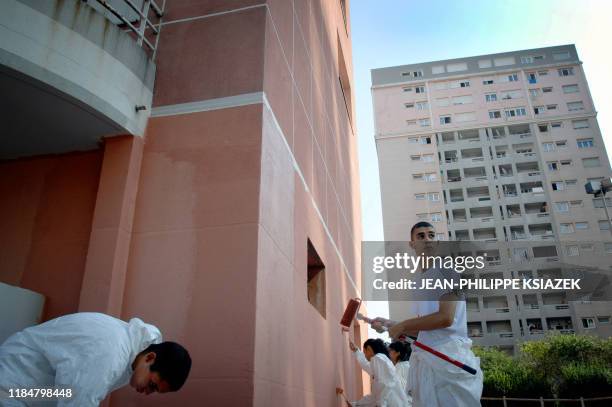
(72, 78)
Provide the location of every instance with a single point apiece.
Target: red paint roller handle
(426, 348)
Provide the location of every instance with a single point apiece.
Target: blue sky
(388, 33)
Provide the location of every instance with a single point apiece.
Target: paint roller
(350, 312)
(426, 348)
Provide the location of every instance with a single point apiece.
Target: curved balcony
(69, 76)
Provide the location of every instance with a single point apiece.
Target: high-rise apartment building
(497, 148)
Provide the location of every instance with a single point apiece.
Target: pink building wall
(202, 227)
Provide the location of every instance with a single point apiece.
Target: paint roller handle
(441, 355)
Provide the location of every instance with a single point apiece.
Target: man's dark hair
(403, 349)
(172, 362)
(421, 224)
(377, 345)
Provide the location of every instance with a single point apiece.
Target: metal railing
(582, 402)
(136, 16)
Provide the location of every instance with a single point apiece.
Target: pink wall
(46, 208)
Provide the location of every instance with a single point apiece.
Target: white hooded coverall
(89, 353)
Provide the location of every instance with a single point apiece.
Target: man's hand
(353, 347)
(398, 329)
(379, 323)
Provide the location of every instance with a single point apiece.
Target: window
(565, 163)
(542, 73)
(551, 107)
(413, 140)
(494, 114)
(585, 143)
(539, 109)
(441, 85)
(411, 122)
(552, 165)
(562, 207)
(570, 183)
(591, 162)
(419, 89)
(433, 196)
(419, 197)
(608, 247)
(428, 158)
(570, 88)
(588, 323)
(417, 74)
(556, 125)
(566, 228)
(531, 77)
(547, 89)
(443, 102)
(491, 97)
(517, 111)
(422, 216)
(576, 204)
(445, 119)
(462, 100)
(566, 71)
(422, 105)
(415, 158)
(417, 177)
(424, 122)
(604, 225)
(534, 93)
(440, 236)
(464, 84)
(572, 250)
(561, 55)
(548, 147)
(484, 63)
(603, 320)
(430, 177)
(504, 61)
(511, 94)
(582, 225)
(315, 289)
(598, 203)
(408, 105)
(437, 69)
(405, 73)
(527, 59)
(558, 186)
(425, 140)
(543, 127)
(513, 77)
(436, 217)
(488, 82)
(407, 89)
(575, 106)
(460, 66)
(580, 124)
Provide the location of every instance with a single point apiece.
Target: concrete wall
(45, 216)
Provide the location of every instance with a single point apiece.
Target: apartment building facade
(497, 149)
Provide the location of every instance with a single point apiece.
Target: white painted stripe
(209, 104)
(220, 13)
(314, 204)
(244, 100)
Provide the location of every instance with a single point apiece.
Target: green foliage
(570, 366)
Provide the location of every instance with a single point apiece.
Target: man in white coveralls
(85, 356)
(441, 325)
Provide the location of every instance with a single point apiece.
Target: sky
(389, 33)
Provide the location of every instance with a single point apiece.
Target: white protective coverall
(403, 370)
(433, 381)
(386, 388)
(90, 353)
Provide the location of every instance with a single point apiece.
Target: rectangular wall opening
(316, 280)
